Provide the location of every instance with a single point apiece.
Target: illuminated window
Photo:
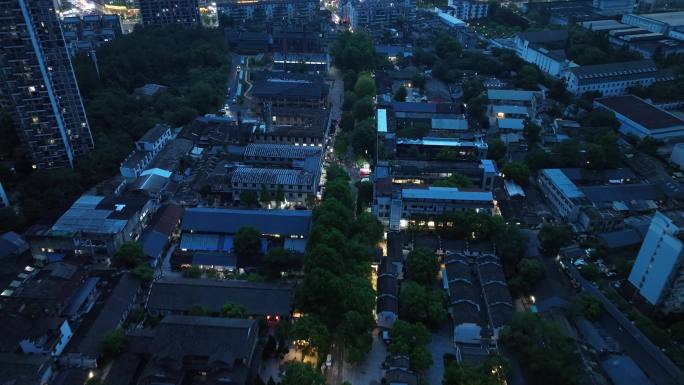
(500, 115)
(35, 119)
(32, 89)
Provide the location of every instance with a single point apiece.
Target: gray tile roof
(265, 150)
(259, 298)
(268, 176)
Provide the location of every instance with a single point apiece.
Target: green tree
(299, 373)
(279, 195)
(418, 304)
(233, 310)
(446, 46)
(112, 344)
(542, 348)
(365, 86)
(411, 340)
(335, 172)
(192, 272)
(143, 271)
(279, 260)
(601, 117)
(529, 273)
(313, 333)
(496, 150)
(589, 307)
(552, 238)
(493, 371)
(129, 255)
(339, 190)
(531, 131)
(265, 197)
(353, 51)
(10, 220)
(455, 180)
(247, 241)
(422, 266)
(199, 310)
(364, 109)
(517, 172)
(363, 138)
(590, 272)
(400, 94)
(248, 198)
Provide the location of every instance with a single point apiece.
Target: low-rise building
(94, 226)
(26, 369)
(614, 7)
(163, 226)
(545, 49)
(298, 135)
(34, 334)
(289, 90)
(614, 78)
(295, 185)
(273, 301)
(438, 148)
(421, 203)
(508, 109)
(657, 275)
(480, 303)
(666, 23)
(178, 346)
(387, 303)
(482, 174)
(146, 149)
(212, 229)
(638, 117)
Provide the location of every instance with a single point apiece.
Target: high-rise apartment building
(274, 11)
(38, 86)
(373, 15)
(658, 272)
(161, 12)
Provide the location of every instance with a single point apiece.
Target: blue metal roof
(153, 243)
(229, 221)
(446, 193)
(214, 259)
(382, 120)
(622, 370)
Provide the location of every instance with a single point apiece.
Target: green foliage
(455, 180)
(363, 138)
(364, 195)
(199, 310)
(233, 310)
(414, 131)
(552, 238)
(310, 329)
(517, 172)
(411, 340)
(588, 306)
(529, 273)
(248, 198)
(265, 196)
(601, 117)
(144, 272)
(340, 191)
(493, 371)
(544, 351)
(365, 86)
(353, 51)
(192, 272)
(422, 266)
(677, 331)
(496, 150)
(529, 77)
(364, 108)
(298, 373)
(400, 94)
(586, 47)
(531, 131)
(590, 272)
(420, 304)
(112, 344)
(279, 260)
(129, 255)
(247, 241)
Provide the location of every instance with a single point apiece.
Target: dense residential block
(38, 86)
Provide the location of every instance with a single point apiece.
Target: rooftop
(229, 221)
(259, 298)
(641, 112)
(154, 133)
(614, 69)
(545, 36)
(446, 142)
(99, 214)
(275, 176)
(265, 150)
(514, 95)
(671, 18)
(446, 193)
(561, 181)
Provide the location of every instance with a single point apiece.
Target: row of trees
(419, 300)
(358, 116)
(336, 292)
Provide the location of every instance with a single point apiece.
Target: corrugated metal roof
(229, 221)
(262, 176)
(446, 193)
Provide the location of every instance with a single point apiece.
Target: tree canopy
(422, 266)
(247, 241)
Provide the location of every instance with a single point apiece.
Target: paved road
(554, 283)
(370, 371)
(441, 344)
(647, 355)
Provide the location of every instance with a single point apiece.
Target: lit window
(35, 119)
(32, 89)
